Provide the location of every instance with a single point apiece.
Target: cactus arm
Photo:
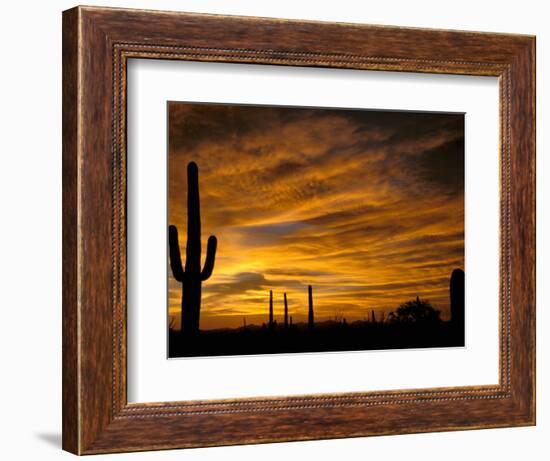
(210, 258)
(175, 257)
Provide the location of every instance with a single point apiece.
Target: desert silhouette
(415, 323)
(296, 229)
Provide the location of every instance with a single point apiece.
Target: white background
(152, 378)
(30, 191)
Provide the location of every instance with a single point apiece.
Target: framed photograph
(280, 230)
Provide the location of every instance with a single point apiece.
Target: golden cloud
(366, 206)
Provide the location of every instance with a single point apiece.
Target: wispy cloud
(366, 206)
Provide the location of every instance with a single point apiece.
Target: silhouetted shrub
(418, 311)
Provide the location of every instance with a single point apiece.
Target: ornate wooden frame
(97, 43)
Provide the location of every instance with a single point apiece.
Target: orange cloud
(366, 206)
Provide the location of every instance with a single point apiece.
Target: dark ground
(323, 337)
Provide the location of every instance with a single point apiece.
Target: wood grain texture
(70, 384)
(97, 42)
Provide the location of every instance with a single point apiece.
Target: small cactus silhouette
(271, 323)
(310, 318)
(456, 291)
(286, 311)
(192, 277)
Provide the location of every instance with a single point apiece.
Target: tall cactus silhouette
(271, 324)
(286, 312)
(456, 291)
(192, 277)
(310, 319)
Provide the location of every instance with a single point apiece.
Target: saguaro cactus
(271, 324)
(310, 319)
(286, 312)
(192, 277)
(456, 291)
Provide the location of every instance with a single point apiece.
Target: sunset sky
(365, 206)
